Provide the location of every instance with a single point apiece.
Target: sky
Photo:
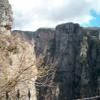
(32, 14)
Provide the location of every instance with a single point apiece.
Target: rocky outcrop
(90, 77)
(17, 68)
(67, 60)
(5, 17)
(70, 54)
(68, 47)
(18, 71)
(75, 53)
(45, 53)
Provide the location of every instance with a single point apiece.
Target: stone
(73, 52)
(51, 64)
(18, 69)
(6, 19)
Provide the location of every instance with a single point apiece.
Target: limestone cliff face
(62, 47)
(17, 67)
(75, 53)
(67, 60)
(68, 47)
(5, 17)
(71, 54)
(18, 70)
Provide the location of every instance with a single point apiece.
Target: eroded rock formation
(73, 52)
(18, 70)
(67, 59)
(5, 17)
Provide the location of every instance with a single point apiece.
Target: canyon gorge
(61, 63)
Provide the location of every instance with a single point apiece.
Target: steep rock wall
(18, 71)
(74, 51)
(17, 68)
(71, 54)
(67, 59)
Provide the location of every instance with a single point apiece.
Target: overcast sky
(32, 14)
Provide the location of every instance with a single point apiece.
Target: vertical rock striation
(74, 52)
(70, 55)
(68, 46)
